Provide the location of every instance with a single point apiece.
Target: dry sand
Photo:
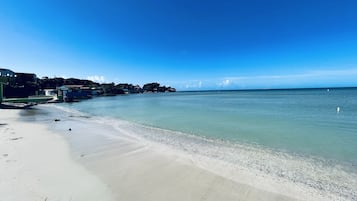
(82, 165)
(35, 165)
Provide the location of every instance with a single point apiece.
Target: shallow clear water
(293, 138)
(303, 122)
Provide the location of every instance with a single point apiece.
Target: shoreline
(280, 173)
(151, 171)
(134, 168)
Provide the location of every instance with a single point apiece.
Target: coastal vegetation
(18, 85)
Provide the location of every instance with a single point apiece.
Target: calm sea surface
(303, 122)
(304, 138)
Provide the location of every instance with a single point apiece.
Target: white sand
(137, 170)
(102, 165)
(140, 173)
(35, 165)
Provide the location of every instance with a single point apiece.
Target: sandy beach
(36, 165)
(42, 160)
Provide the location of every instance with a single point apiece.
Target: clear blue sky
(187, 44)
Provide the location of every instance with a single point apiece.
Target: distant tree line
(25, 84)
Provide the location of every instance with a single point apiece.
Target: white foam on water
(258, 166)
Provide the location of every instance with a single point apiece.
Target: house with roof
(6, 73)
(70, 93)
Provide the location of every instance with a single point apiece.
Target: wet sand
(136, 169)
(93, 161)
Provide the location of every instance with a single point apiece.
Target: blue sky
(190, 45)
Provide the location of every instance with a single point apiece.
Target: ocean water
(306, 136)
(300, 121)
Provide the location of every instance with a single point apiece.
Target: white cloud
(313, 78)
(225, 82)
(310, 78)
(193, 84)
(309, 74)
(63, 76)
(96, 78)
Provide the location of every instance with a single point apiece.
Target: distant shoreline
(272, 89)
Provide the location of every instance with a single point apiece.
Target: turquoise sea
(315, 126)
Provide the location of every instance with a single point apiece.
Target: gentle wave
(313, 178)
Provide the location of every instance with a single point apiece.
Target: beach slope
(36, 165)
(95, 162)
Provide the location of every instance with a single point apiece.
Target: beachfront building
(4, 75)
(62, 92)
(71, 93)
(22, 79)
(18, 85)
(7, 73)
(52, 93)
